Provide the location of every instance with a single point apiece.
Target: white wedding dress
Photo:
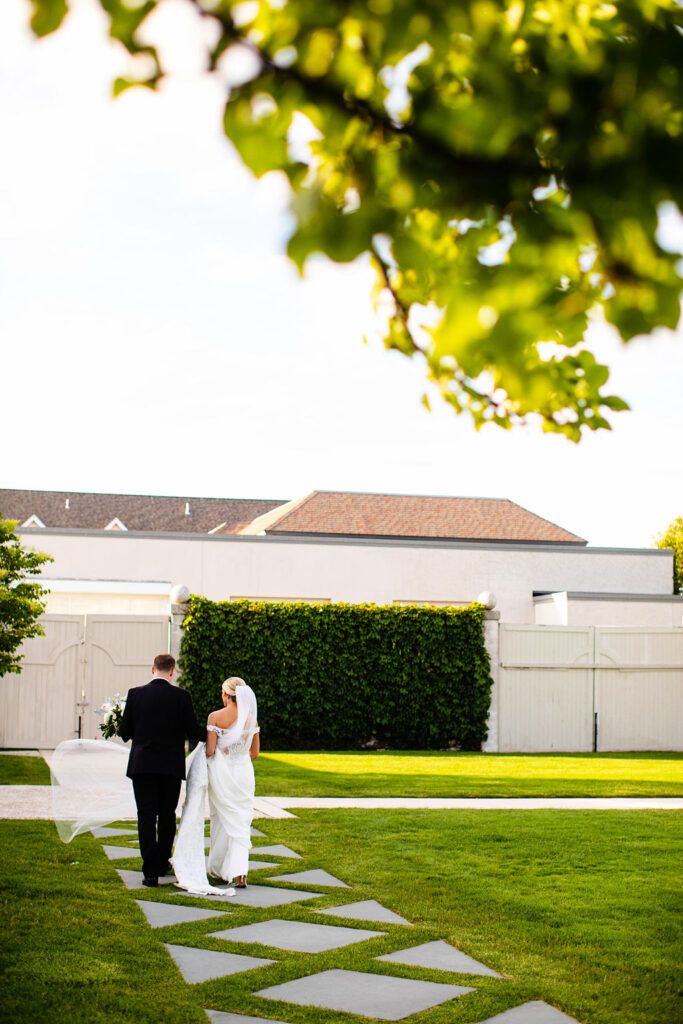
(227, 777)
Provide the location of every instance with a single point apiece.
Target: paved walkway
(36, 802)
(564, 803)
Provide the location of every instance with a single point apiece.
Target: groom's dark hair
(164, 663)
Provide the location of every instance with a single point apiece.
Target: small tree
(21, 598)
(672, 537)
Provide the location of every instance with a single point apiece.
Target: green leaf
(47, 15)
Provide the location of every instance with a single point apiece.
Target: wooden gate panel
(119, 653)
(639, 688)
(545, 700)
(38, 705)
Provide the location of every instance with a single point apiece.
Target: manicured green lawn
(18, 770)
(578, 908)
(439, 774)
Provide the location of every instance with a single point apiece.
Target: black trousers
(156, 797)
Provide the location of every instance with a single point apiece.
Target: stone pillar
(491, 630)
(179, 609)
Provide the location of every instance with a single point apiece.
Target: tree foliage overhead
(502, 161)
(672, 537)
(20, 596)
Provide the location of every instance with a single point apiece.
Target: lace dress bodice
(239, 749)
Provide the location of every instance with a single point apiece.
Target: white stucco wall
(625, 613)
(383, 572)
(608, 610)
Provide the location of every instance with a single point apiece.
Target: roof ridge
(127, 494)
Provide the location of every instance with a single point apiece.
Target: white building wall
(625, 613)
(383, 572)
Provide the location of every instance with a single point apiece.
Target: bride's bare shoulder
(220, 718)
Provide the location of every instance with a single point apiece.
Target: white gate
(67, 674)
(583, 688)
(639, 688)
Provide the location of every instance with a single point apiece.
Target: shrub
(337, 676)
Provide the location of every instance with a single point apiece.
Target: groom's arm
(193, 729)
(126, 727)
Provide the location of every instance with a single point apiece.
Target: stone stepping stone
(109, 833)
(314, 877)
(254, 865)
(365, 910)
(370, 995)
(133, 879)
(160, 915)
(119, 852)
(296, 936)
(197, 965)
(276, 851)
(261, 896)
(255, 832)
(219, 1017)
(536, 1012)
(439, 956)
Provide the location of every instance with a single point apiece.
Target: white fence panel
(639, 688)
(119, 653)
(39, 704)
(593, 687)
(67, 674)
(545, 697)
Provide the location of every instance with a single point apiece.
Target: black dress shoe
(166, 870)
(152, 882)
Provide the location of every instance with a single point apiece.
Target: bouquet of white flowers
(112, 712)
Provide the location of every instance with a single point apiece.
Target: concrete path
(563, 803)
(28, 802)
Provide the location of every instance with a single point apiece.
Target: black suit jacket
(157, 718)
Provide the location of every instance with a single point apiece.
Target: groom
(157, 718)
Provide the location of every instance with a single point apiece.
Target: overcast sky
(156, 340)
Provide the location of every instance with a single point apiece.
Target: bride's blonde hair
(230, 685)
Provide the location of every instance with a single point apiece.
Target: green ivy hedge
(335, 676)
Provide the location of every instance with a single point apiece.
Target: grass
(577, 908)
(436, 774)
(20, 770)
(440, 774)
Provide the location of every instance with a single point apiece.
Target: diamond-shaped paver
(109, 833)
(254, 865)
(315, 877)
(536, 1012)
(198, 965)
(278, 850)
(133, 879)
(219, 1017)
(439, 956)
(297, 936)
(263, 896)
(160, 915)
(370, 995)
(365, 910)
(119, 852)
(255, 832)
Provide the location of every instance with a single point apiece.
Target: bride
(223, 770)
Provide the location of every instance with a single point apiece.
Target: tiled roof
(404, 515)
(326, 513)
(78, 511)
